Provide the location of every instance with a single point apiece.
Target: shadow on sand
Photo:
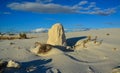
(118, 66)
(62, 48)
(38, 65)
(70, 42)
(73, 41)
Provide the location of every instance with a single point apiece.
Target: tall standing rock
(56, 35)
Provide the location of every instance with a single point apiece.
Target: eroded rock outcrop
(56, 35)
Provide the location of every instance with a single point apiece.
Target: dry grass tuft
(23, 36)
(43, 48)
(12, 37)
(114, 49)
(88, 38)
(95, 40)
(11, 43)
(8, 37)
(107, 34)
(84, 42)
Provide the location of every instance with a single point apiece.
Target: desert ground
(100, 57)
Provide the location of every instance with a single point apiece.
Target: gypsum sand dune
(93, 59)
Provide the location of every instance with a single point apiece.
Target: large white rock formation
(56, 35)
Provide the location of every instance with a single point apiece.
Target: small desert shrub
(88, 38)
(95, 40)
(45, 48)
(11, 43)
(114, 49)
(8, 38)
(4, 38)
(107, 34)
(23, 36)
(101, 41)
(84, 42)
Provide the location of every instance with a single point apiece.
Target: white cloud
(40, 30)
(42, 8)
(104, 12)
(96, 8)
(83, 2)
(57, 8)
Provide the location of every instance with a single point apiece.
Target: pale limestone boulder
(56, 35)
(13, 64)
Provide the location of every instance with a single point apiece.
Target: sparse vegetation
(95, 40)
(42, 48)
(84, 42)
(8, 37)
(11, 43)
(114, 49)
(88, 38)
(87, 41)
(101, 41)
(45, 48)
(23, 36)
(107, 34)
(12, 36)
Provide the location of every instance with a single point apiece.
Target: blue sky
(27, 15)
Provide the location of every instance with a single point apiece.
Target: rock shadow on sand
(36, 66)
(72, 41)
(62, 48)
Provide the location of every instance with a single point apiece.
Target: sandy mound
(53, 51)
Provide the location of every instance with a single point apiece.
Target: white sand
(104, 58)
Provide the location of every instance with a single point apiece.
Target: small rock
(13, 64)
(30, 69)
(53, 70)
(68, 47)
